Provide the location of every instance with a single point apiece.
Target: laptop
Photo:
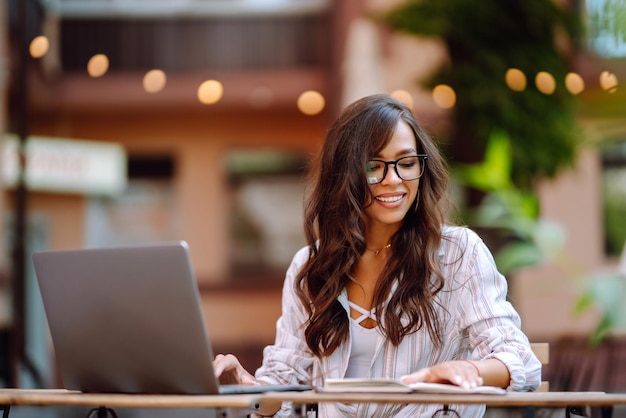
(128, 319)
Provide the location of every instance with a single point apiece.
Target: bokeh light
(545, 82)
(608, 81)
(210, 92)
(515, 79)
(98, 65)
(404, 97)
(574, 83)
(444, 96)
(311, 102)
(261, 97)
(39, 46)
(154, 81)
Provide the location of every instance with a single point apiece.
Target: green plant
(512, 212)
(484, 39)
(531, 241)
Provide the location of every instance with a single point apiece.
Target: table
(62, 397)
(566, 400)
(521, 399)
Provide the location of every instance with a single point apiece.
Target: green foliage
(531, 241)
(614, 192)
(484, 39)
(524, 135)
(606, 292)
(509, 210)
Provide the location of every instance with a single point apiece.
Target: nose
(392, 176)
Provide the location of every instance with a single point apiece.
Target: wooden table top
(512, 399)
(50, 397)
(58, 397)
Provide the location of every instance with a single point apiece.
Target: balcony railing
(225, 43)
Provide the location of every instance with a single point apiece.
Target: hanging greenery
(484, 39)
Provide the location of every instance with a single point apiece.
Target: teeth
(389, 199)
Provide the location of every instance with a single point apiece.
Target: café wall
(198, 144)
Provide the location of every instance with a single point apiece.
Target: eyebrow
(401, 152)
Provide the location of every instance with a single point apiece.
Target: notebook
(128, 319)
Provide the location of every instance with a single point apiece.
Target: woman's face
(393, 197)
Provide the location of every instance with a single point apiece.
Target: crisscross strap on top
(365, 314)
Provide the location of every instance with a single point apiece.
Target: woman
(385, 288)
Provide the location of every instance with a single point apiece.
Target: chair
(542, 351)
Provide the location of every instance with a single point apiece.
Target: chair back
(542, 351)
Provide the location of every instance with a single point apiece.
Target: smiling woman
(385, 287)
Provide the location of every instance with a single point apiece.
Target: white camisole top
(364, 342)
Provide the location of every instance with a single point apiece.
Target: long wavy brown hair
(335, 229)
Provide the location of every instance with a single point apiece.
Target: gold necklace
(376, 252)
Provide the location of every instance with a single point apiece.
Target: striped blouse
(478, 323)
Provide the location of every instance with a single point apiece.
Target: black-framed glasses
(407, 168)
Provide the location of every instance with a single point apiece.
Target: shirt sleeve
(490, 322)
(289, 360)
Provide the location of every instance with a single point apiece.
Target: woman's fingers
(460, 373)
(230, 371)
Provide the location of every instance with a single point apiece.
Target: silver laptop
(128, 319)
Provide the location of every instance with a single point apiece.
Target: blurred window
(606, 21)
(145, 212)
(266, 220)
(614, 194)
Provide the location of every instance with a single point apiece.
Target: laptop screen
(126, 319)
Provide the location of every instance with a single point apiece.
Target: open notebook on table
(358, 385)
(128, 319)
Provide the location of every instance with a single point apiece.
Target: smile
(389, 199)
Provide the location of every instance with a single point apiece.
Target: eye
(408, 162)
(374, 166)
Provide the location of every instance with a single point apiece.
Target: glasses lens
(409, 168)
(375, 171)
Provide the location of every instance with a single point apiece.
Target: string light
(39, 46)
(98, 65)
(444, 96)
(545, 82)
(210, 92)
(403, 96)
(154, 81)
(311, 102)
(574, 83)
(515, 79)
(608, 81)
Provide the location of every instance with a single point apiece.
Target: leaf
(494, 172)
(550, 237)
(606, 292)
(584, 302)
(516, 255)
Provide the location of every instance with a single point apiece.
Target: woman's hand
(229, 370)
(461, 373)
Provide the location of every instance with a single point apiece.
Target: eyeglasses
(407, 168)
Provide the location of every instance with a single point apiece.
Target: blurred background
(129, 121)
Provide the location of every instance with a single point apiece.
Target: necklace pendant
(376, 252)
